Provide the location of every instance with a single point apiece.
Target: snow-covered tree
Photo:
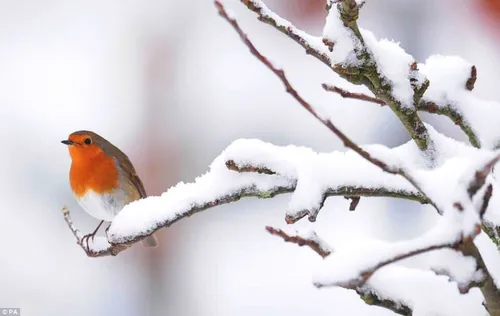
(454, 179)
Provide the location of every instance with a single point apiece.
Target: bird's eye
(88, 141)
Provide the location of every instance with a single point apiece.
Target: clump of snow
(424, 292)
(460, 269)
(98, 243)
(394, 64)
(448, 75)
(315, 172)
(342, 37)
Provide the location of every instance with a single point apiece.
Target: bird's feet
(87, 237)
(106, 231)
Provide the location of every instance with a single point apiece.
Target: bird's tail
(150, 242)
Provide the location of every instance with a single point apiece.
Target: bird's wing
(131, 175)
(122, 162)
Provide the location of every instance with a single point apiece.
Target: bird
(102, 179)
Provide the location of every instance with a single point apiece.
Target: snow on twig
(250, 167)
(423, 106)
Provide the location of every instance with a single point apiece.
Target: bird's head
(83, 145)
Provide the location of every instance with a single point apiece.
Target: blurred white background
(170, 83)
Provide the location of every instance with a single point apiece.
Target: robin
(102, 178)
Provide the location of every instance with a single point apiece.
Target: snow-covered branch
(423, 106)
(356, 56)
(450, 93)
(312, 44)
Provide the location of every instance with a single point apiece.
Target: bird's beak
(67, 142)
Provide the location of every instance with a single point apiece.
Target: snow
(345, 41)
(315, 171)
(452, 263)
(349, 263)
(144, 216)
(424, 292)
(99, 243)
(293, 165)
(312, 175)
(314, 42)
(448, 75)
(393, 63)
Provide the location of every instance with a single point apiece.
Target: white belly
(103, 207)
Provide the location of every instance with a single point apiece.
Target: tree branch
(300, 37)
(367, 74)
(480, 176)
(348, 191)
(370, 297)
(312, 241)
(346, 140)
(454, 115)
(352, 95)
(423, 106)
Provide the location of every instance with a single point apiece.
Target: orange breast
(97, 172)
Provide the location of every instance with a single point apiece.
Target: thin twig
(423, 106)
(463, 287)
(285, 27)
(354, 202)
(231, 165)
(313, 242)
(480, 176)
(469, 85)
(352, 95)
(486, 200)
